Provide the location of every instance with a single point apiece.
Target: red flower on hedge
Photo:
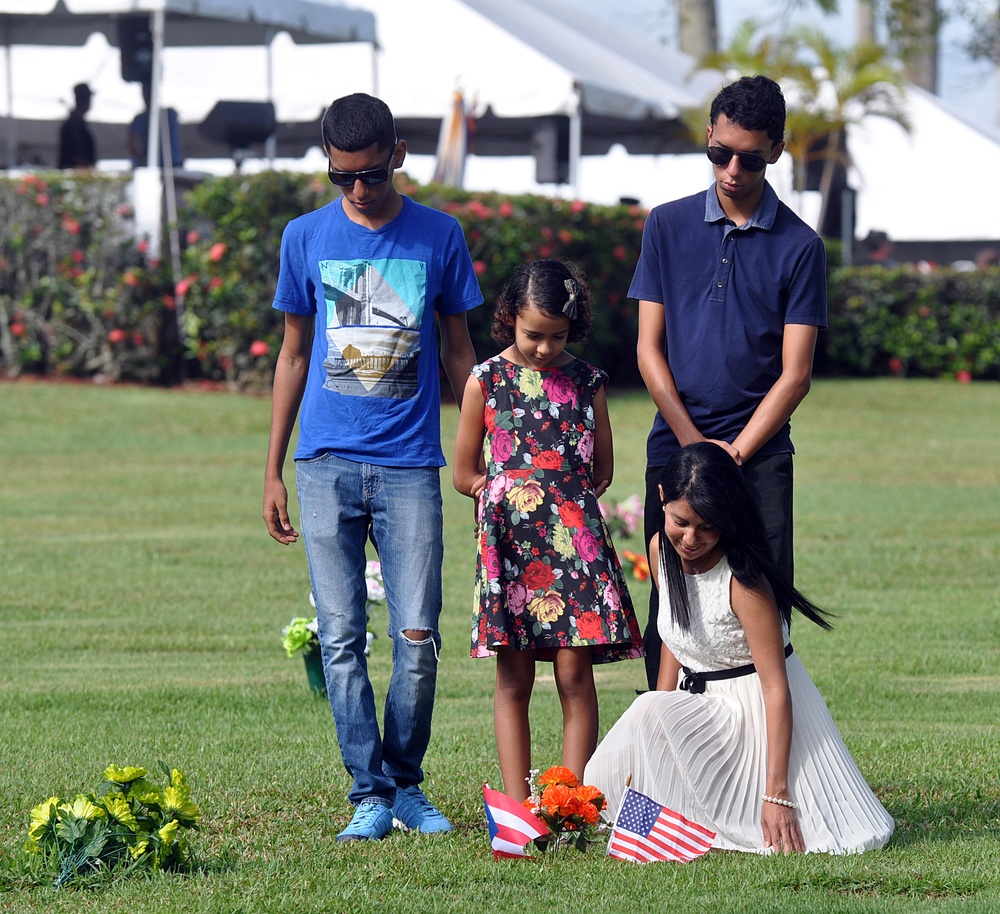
(259, 348)
(217, 251)
(116, 336)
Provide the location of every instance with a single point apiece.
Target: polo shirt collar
(762, 218)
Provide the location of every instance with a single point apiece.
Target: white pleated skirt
(705, 756)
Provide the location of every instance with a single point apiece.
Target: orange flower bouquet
(638, 563)
(571, 810)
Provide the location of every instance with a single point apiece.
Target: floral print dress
(547, 575)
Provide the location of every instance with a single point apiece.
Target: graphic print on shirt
(374, 309)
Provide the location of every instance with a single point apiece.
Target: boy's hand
(276, 513)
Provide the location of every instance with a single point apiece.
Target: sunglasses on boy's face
(749, 161)
(369, 176)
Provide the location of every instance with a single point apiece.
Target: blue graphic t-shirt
(373, 392)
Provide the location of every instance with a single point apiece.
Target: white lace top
(715, 640)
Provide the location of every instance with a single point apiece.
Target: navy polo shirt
(727, 293)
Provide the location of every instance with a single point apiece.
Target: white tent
(525, 57)
(542, 76)
(65, 24)
(211, 24)
(931, 183)
(535, 59)
(535, 73)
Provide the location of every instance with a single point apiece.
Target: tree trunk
(697, 27)
(864, 30)
(919, 24)
(830, 158)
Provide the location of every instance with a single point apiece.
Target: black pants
(770, 478)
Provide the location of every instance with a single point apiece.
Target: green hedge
(79, 297)
(901, 321)
(77, 294)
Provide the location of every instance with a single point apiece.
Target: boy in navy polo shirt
(367, 283)
(731, 287)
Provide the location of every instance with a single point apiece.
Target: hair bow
(569, 309)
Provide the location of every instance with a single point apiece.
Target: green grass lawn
(141, 606)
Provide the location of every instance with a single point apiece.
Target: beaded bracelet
(779, 801)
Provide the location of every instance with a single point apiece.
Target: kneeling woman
(716, 741)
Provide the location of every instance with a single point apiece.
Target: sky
(969, 86)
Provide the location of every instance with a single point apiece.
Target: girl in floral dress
(548, 583)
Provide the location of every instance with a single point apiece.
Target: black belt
(695, 682)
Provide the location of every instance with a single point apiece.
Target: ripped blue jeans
(342, 504)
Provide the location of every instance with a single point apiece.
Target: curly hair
(543, 283)
(753, 103)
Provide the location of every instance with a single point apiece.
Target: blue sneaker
(370, 822)
(413, 811)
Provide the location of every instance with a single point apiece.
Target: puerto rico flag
(645, 832)
(512, 827)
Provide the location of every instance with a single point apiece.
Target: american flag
(512, 827)
(645, 832)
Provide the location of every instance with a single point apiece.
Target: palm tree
(913, 27)
(843, 87)
(697, 27)
(828, 89)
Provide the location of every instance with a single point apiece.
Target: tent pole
(575, 139)
(153, 114)
(12, 124)
(271, 143)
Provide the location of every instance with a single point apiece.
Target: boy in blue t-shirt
(367, 283)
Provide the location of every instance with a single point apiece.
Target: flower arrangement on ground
(301, 636)
(571, 810)
(127, 822)
(639, 564)
(624, 518)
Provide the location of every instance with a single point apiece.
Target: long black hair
(709, 480)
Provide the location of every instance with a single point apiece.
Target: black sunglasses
(369, 176)
(749, 161)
